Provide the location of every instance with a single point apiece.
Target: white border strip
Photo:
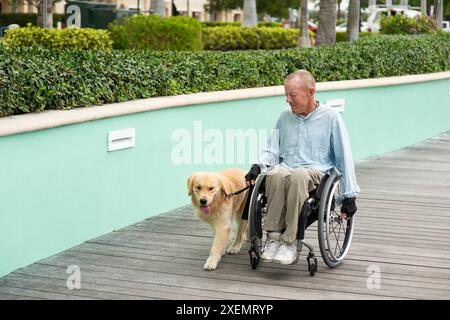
(55, 118)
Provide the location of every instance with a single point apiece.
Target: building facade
(194, 8)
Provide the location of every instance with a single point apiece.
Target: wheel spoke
(335, 233)
(337, 242)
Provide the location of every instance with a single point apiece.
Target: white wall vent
(121, 139)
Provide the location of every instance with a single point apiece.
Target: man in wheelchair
(308, 140)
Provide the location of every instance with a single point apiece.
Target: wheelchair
(334, 233)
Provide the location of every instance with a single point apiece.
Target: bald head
(304, 78)
(300, 87)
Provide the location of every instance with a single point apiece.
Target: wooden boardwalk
(402, 230)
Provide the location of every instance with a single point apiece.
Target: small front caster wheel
(312, 265)
(254, 260)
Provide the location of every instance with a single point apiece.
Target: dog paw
(210, 265)
(233, 250)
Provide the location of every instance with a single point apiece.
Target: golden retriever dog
(207, 191)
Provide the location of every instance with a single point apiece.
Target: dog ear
(225, 184)
(190, 184)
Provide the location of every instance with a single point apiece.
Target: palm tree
(339, 11)
(40, 5)
(438, 12)
(326, 30)
(250, 17)
(423, 6)
(353, 20)
(158, 7)
(303, 38)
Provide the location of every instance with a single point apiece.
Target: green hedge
(69, 38)
(36, 79)
(238, 24)
(342, 36)
(236, 38)
(400, 24)
(154, 32)
(211, 24)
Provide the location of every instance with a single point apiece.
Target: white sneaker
(271, 247)
(286, 253)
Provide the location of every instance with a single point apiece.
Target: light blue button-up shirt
(319, 141)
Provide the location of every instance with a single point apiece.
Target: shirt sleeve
(270, 154)
(340, 143)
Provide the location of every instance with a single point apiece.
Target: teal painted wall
(60, 187)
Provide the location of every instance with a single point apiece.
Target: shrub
(270, 24)
(400, 24)
(69, 38)
(211, 24)
(277, 38)
(342, 36)
(236, 38)
(154, 32)
(35, 79)
(238, 24)
(229, 38)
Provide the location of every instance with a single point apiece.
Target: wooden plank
(4, 296)
(210, 280)
(40, 294)
(166, 254)
(235, 282)
(402, 227)
(143, 289)
(159, 257)
(245, 277)
(196, 253)
(99, 289)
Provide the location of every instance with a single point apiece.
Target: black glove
(253, 173)
(349, 207)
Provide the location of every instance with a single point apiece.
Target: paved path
(402, 230)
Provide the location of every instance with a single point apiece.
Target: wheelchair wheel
(335, 234)
(256, 218)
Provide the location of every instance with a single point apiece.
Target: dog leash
(229, 195)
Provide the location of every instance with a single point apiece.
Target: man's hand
(348, 208)
(251, 176)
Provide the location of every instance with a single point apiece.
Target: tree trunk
(250, 18)
(423, 7)
(339, 12)
(158, 7)
(326, 30)
(438, 12)
(303, 39)
(48, 23)
(353, 20)
(14, 6)
(404, 3)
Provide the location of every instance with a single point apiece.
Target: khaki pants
(286, 193)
